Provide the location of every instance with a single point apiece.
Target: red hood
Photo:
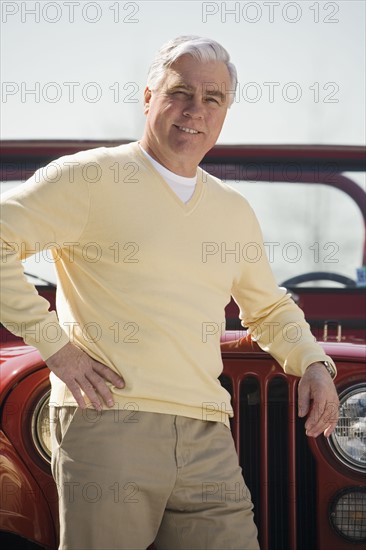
(20, 360)
(240, 342)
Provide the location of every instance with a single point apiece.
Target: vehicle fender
(23, 508)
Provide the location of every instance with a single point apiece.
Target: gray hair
(202, 49)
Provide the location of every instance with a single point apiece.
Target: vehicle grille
(277, 464)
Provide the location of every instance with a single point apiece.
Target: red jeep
(308, 494)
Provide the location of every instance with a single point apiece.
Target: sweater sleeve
(272, 318)
(47, 212)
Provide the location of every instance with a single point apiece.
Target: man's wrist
(327, 365)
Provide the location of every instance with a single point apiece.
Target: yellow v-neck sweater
(143, 279)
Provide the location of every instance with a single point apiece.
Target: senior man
(133, 381)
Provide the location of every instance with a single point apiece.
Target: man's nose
(193, 109)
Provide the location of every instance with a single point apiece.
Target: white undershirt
(182, 186)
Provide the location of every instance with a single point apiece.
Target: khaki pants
(126, 479)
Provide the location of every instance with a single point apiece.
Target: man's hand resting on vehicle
(319, 399)
(82, 373)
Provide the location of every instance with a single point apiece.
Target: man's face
(185, 115)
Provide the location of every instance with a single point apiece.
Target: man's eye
(213, 100)
(180, 93)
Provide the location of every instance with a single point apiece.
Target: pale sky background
(301, 67)
(77, 70)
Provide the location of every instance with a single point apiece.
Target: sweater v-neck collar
(188, 206)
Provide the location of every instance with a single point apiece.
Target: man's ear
(147, 97)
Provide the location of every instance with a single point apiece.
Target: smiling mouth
(187, 130)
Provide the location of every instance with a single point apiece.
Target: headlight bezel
(41, 412)
(337, 449)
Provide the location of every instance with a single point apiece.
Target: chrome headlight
(41, 434)
(348, 440)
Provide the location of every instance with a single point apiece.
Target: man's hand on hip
(82, 373)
